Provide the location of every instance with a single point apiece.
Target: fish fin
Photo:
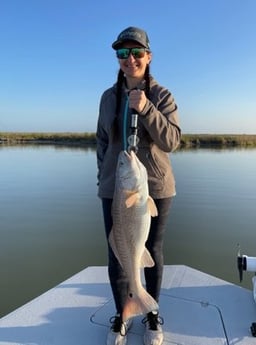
(138, 304)
(146, 259)
(132, 199)
(113, 245)
(152, 207)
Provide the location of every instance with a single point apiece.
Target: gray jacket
(159, 134)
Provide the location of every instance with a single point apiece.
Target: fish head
(130, 172)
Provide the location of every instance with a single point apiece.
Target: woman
(158, 132)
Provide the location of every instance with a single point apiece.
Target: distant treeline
(89, 139)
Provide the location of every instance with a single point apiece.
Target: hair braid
(147, 81)
(120, 79)
(119, 84)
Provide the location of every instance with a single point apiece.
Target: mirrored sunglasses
(137, 53)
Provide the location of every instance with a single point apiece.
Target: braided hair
(119, 85)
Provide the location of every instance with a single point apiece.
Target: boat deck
(198, 309)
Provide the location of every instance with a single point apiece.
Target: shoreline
(89, 139)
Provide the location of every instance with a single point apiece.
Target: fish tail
(138, 304)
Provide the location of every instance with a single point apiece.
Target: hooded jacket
(159, 134)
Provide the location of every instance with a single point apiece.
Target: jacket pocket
(154, 168)
(160, 176)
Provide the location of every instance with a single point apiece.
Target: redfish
(132, 210)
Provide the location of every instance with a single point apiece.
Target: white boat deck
(198, 309)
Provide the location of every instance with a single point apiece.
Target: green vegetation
(74, 139)
(89, 139)
(218, 140)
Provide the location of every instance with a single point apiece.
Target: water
(214, 211)
(51, 223)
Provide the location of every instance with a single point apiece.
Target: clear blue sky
(56, 60)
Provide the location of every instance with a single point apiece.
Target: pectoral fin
(152, 207)
(132, 200)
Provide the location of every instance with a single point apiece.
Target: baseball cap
(132, 34)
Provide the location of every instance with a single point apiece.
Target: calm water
(51, 222)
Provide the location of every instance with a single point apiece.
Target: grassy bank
(218, 140)
(74, 139)
(89, 139)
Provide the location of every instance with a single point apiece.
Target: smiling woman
(137, 114)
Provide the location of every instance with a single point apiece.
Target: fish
(132, 209)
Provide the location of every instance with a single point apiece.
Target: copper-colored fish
(132, 211)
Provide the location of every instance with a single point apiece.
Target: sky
(56, 60)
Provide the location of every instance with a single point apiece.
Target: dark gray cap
(132, 34)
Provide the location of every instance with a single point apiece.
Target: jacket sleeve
(102, 142)
(160, 118)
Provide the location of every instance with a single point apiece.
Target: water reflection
(51, 221)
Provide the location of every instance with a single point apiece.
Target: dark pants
(153, 275)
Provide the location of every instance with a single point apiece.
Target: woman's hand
(137, 100)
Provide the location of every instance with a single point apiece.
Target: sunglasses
(137, 53)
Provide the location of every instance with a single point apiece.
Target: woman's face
(134, 67)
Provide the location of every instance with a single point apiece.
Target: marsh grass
(218, 140)
(67, 138)
(89, 139)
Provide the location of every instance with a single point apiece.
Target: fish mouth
(127, 154)
(130, 155)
